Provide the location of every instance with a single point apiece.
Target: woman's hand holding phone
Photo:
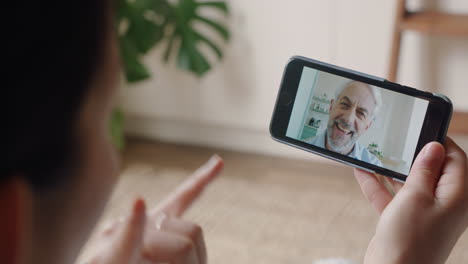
(424, 220)
(160, 236)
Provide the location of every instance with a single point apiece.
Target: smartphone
(355, 118)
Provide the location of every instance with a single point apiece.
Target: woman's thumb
(426, 169)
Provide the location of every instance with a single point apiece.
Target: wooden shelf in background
(459, 123)
(438, 23)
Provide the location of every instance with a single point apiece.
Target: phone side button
(285, 99)
(364, 169)
(397, 180)
(357, 166)
(443, 97)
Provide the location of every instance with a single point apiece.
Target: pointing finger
(187, 192)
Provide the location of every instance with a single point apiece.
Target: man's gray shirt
(359, 152)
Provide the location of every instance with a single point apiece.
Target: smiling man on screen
(351, 114)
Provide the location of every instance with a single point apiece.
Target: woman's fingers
(171, 240)
(123, 243)
(188, 230)
(129, 239)
(162, 238)
(392, 186)
(169, 247)
(425, 173)
(374, 191)
(453, 183)
(185, 232)
(184, 195)
(397, 185)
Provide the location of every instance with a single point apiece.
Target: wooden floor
(262, 209)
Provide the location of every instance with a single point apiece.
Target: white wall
(231, 106)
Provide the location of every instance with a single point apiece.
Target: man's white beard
(340, 148)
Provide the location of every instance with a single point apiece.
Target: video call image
(362, 121)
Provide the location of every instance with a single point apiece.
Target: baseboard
(212, 135)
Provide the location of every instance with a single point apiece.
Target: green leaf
(134, 70)
(144, 33)
(216, 4)
(200, 64)
(168, 51)
(182, 32)
(191, 59)
(185, 11)
(116, 127)
(152, 21)
(215, 25)
(183, 59)
(122, 9)
(143, 5)
(210, 44)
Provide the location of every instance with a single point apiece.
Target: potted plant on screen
(374, 149)
(145, 24)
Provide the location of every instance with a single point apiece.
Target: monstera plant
(145, 24)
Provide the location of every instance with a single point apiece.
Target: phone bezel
(434, 127)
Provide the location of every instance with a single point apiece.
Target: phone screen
(362, 121)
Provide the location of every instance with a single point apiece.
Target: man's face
(350, 117)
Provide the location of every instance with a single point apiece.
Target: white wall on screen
(414, 130)
(301, 103)
(398, 122)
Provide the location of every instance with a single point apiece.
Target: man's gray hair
(376, 94)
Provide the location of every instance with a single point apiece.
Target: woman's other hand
(424, 220)
(161, 235)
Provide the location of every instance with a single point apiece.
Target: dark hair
(52, 51)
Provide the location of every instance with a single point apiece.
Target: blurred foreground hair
(52, 51)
